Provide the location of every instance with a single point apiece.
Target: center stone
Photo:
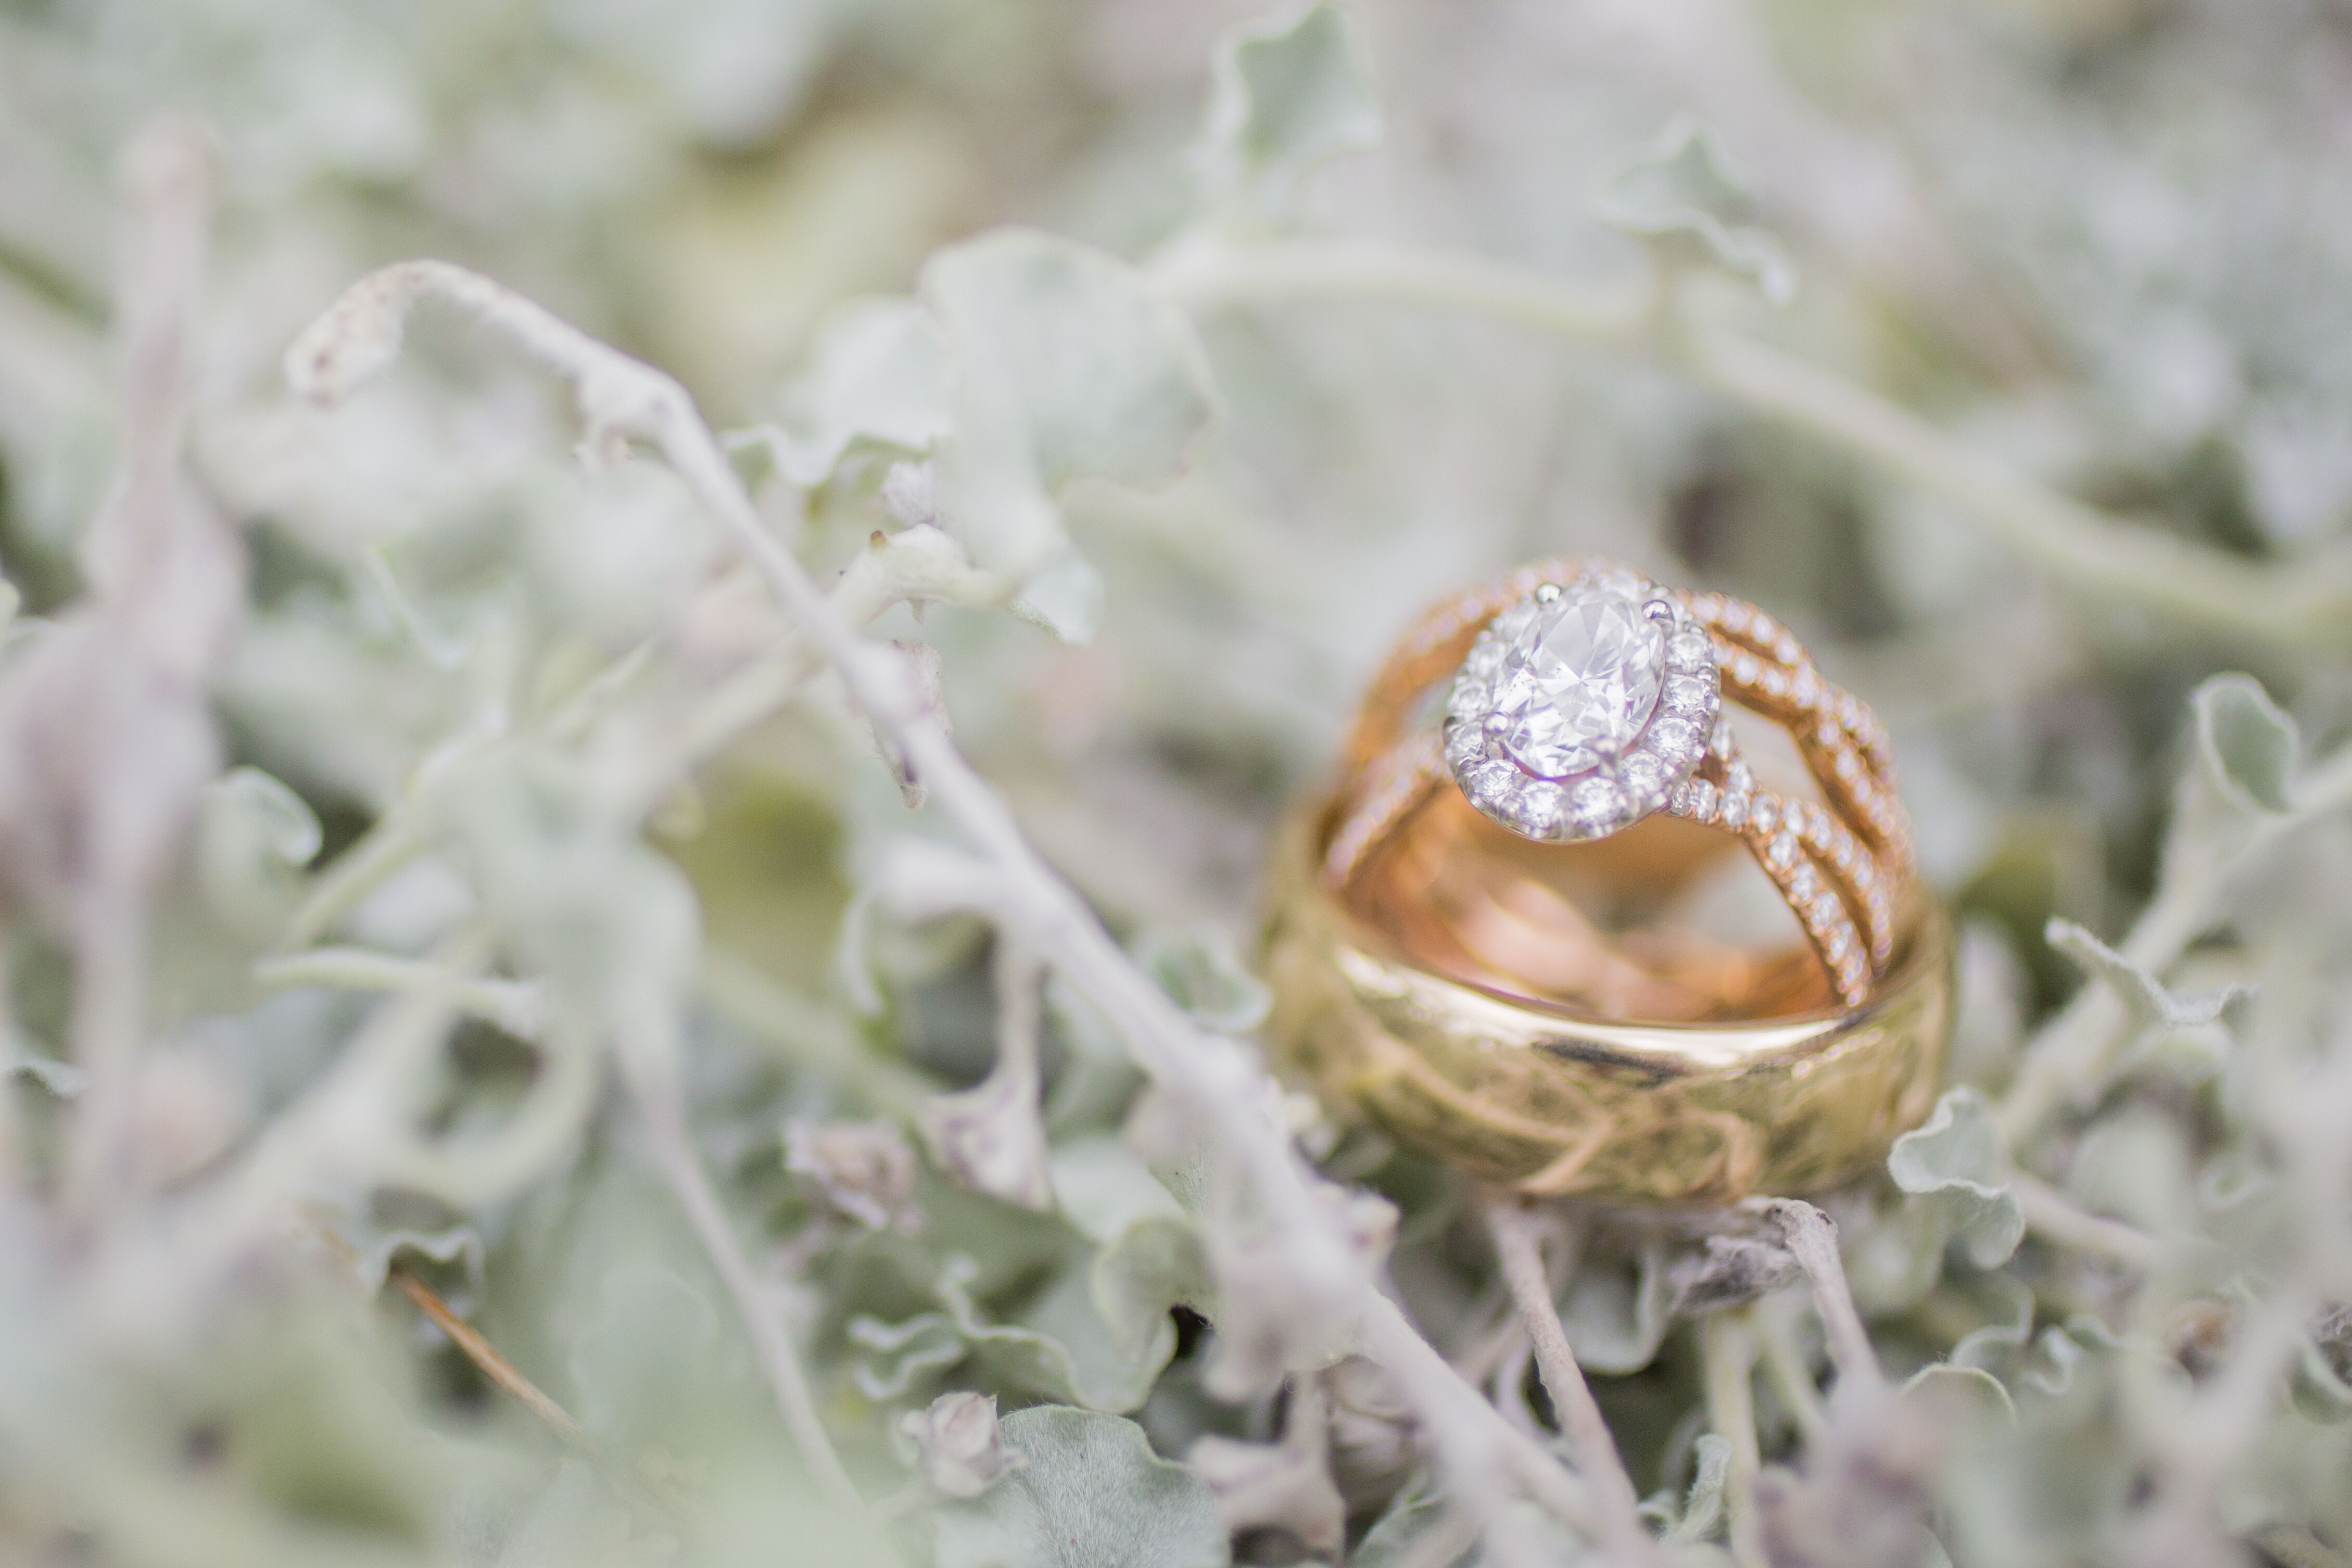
(1579, 681)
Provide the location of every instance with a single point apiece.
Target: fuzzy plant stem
(622, 400)
(163, 586)
(2055, 1217)
(1518, 1247)
(2070, 1052)
(516, 1007)
(1727, 1354)
(1785, 1363)
(2072, 543)
(681, 1167)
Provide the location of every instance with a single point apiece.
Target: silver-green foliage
(378, 906)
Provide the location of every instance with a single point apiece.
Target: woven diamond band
(1585, 698)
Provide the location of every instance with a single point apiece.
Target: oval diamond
(1580, 680)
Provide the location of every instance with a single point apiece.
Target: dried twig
(1518, 1247)
(1811, 1238)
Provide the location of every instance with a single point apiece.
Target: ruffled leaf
(1955, 1165)
(1617, 1312)
(1150, 1257)
(876, 376)
(2185, 1024)
(1089, 1491)
(2246, 745)
(1067, 368)
(253, 837)
(1286, 95)
(1679, 194)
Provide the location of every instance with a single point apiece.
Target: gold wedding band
(1473, 941)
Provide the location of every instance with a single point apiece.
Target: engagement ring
(1482, 938)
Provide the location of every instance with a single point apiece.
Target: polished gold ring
(1482, 938)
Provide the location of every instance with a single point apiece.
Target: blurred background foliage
(2106, 242)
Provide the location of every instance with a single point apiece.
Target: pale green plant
(434, 860)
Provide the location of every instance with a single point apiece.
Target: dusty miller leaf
(1201, 973)
(1058, 1345)
(1994, 1347)
(1066, 367)
(455, 1253)
(1954, 1164)
(253, 837)
(1064, 598)
(2247, 746)
(877, 375)
(1097, 1079)
(1149, 1257)
(1089, 1492)
(1674, 193)
(1616, 1316)
(1286, 95)
(2157, 1016)
(1946, 1384)
(613, 927)
(2240, 780)
(643, 1365)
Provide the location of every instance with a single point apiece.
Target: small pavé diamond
(1765, 815)
(1541, 805)
(1464, 745)
(1687, 695)
(1676, 741)
(1689, 651)
(1599, 803)
(1642, 774)
(1781, 853)
(1494, 786)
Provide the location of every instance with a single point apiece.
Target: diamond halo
(1582, 707)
